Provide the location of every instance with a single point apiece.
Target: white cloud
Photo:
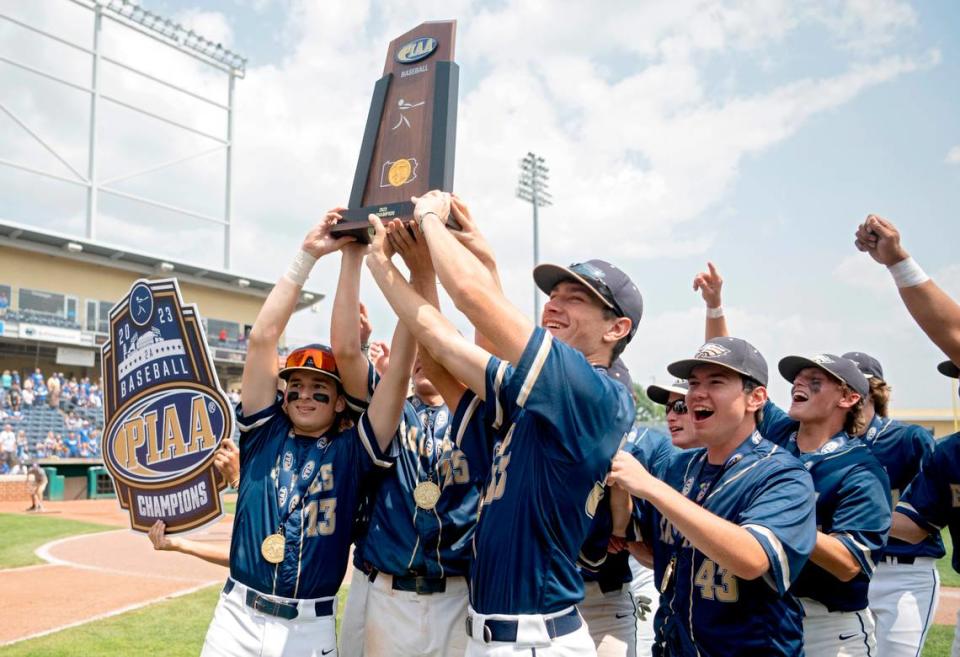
(953, 155)
(621, 102)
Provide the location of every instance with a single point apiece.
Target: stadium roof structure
(19, 236)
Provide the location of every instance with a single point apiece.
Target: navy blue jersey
(707, 611)
(932, 500)
(853, 506)
(404, 539)
(850, 507)
(370, 485)
(902, 450)
(317, 533)
(559, 422)
(653, 449)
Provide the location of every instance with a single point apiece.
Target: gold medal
(272, 548)
(399, 172)
(426, 495)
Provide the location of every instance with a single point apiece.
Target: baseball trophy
(408, 142)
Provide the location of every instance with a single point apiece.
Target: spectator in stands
(40, 393)
(37, 378)
(15, 399)
(15, 375)
(223, 335)
(27, 396)
(8, 443)
(36, 483)
(53, 391)
(6, 380)
(4, 303)
(22, 445)
(72, 443)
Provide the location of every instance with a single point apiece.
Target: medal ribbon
(291, 485)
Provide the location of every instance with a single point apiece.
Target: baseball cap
(661, 394)
(618, 372)
(869, 365)
(947, 368)
(732, 353)
(311, 358)
(611, 285)
(843, 369)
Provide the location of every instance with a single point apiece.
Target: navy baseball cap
(611, 285)
(842, 369)
(947, 368)
(661, 394)
(869, 365)
(618, 372)
(732, 353)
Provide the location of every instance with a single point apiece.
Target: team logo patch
(294, 500)
(687, 487)
(712, 350)
(287, 460)
(308, 469)
(822, 359)
(164, 410)
(322, 442)
(830, 447)
(282, 497)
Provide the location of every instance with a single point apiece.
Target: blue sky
(752, 134)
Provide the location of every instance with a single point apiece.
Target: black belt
(900, 559)
(506, 630)
(609, 587)
(285, 610)
(414, 583)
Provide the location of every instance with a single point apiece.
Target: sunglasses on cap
(678, 406)
(595, 278)
(312, 357)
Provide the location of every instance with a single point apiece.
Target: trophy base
(355, 222)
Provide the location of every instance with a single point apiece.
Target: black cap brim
(547, 276)
(661, 394)
(947, 368)
(790, 366)
(286, 372)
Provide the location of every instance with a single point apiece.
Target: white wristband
(907, 273)
(715, 313)
(299, 269)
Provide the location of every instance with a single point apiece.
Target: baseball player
(416, 552)
(853, 500)
(36, 484)
(300, 474)
(734, 521)
(559, 419)
(654, 450)
(610, 607)
(852, 488)
(932, 501)
(905, 586)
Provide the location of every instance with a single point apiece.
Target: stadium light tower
(532, 188)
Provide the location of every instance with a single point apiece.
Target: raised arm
(260, 369)
(345, 325)
(386, 405)
(474, 241)
(710, 284)
(932, 308)
(463, 359)
(412, 247)
(472, 288)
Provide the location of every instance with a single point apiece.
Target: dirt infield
(93, 576)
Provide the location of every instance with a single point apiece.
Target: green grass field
(938, 641)
(21, 535)
(948, 576)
